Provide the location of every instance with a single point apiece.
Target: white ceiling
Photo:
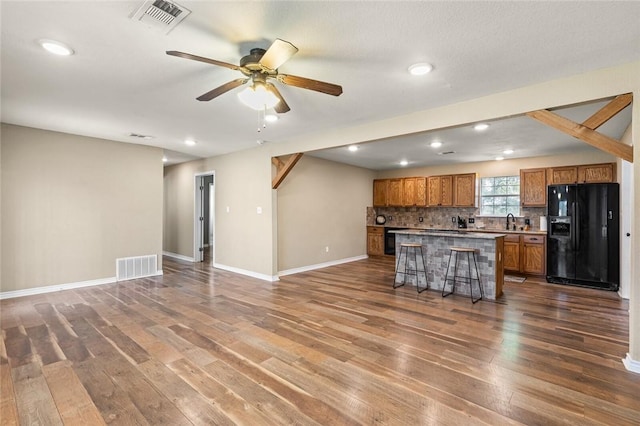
(120, 80)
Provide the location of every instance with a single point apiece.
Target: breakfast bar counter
(436, 247)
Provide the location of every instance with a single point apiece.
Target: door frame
(198, 225)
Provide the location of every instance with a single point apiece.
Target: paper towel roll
(543, 223)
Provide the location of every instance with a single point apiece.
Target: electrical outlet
(453, 219)
(420, 219)
(472, 220)
(326, 249)
(527, 221)
(389, 218)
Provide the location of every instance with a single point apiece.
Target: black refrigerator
(583, 235)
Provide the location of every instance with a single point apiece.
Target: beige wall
(322, 204)
(71, 205)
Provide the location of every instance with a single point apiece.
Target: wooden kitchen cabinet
(375, 240)
(440, 191)
(525, 253)
(596, 173)
(512, 253)
(414, 191)
(533, 187)
(380, 189)
(464, 190)
(394, 193)
(533, 254)
(560, 175)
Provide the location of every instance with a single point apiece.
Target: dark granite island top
(435, 245)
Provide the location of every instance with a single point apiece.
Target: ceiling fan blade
(222, 89)
(278, 53)
(307, 83)
(281, 107)
(201, 59)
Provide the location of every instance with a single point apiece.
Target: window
(500, 196)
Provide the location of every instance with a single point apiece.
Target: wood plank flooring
(336, 346)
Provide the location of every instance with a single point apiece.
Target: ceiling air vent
(161, 14)
(446, 153)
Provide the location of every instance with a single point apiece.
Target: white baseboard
(178, 256)
(321, 265)
(631, 364)
(56, 287)
(246, 272)
(61, 287)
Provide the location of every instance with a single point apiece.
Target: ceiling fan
(259, 66)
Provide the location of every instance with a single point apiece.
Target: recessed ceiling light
(499, 158)
(420, 69)
(404, 163)
(436, 144)
(164, 159)
(353, 148)
(507, 151)
(56, 47)
(270, 118)
(481, 126)
(190, 142)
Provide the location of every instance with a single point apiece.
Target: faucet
(514, 220)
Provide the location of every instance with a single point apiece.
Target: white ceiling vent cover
(161, 14)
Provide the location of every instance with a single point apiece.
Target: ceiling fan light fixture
(507, 151)
(56, 47)
(353, 148)
(258, 97)
(404, 163)
(436, 144)
(270, 118)
(480, 127)
(189, 142)
(420, 68)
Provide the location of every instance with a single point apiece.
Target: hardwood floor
(335, 346)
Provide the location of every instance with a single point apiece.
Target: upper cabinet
(560, 175)
(440, 190)
(595, 173)
(433, 191)
(533, 187)
(394, 194)
(464, 190)
(590, 173)
(414, 191)
(452, 190)
(400, 192)
(380, 192)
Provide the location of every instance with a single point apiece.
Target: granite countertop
(466, 230)
(463, 233)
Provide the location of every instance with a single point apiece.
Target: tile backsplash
(440, 217)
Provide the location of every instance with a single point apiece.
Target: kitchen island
(436, 244)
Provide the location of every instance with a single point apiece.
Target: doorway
(204, 220)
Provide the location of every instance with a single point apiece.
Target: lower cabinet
(525, 253)
(375, 240)
(512, 253)
(533, 254)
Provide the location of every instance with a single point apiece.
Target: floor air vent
(128, 268)
(161, 14)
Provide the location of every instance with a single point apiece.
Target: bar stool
(469, 251)
(414, 247)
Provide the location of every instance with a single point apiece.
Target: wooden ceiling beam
(609, 110)
(584, 133)
(283, 168)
